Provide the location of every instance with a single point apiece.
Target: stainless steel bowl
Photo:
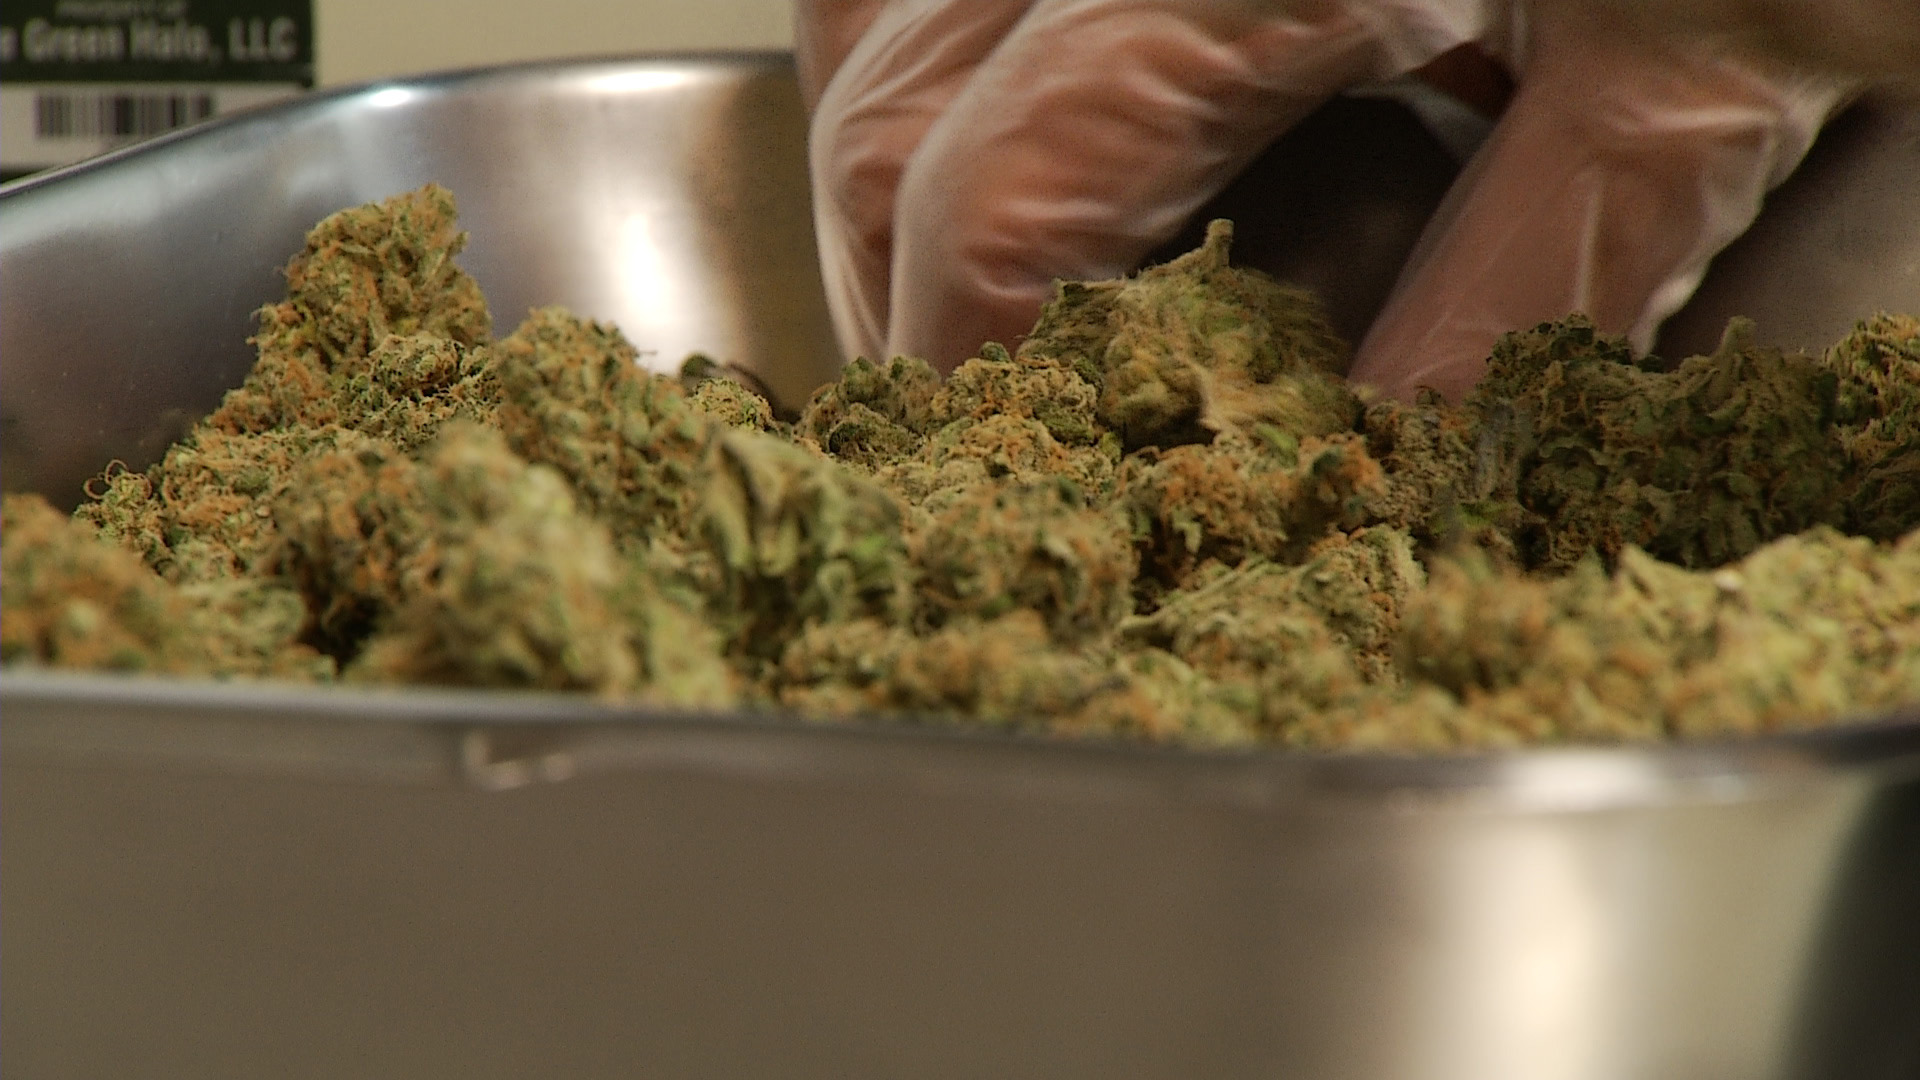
(244, 881)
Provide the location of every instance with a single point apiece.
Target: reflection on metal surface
(948, 906)
(250, 880)
(1534, 949)
(495, 759)
(392, 97)
(653, 284)
(637, 81)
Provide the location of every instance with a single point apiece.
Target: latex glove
(968, 153)
(1622, 166)
(823, 36)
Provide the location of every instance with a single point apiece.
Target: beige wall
(371, 39)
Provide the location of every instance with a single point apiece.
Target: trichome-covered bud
(414, 384)
(1164, 517)
(575, 398)
(1807, 629)
(862, 437)
(504, 582)
(1193, 348)
(1264, 496)
(74, 601)
(1026, 387)
(367, 272)
(1447, 480)
(884, 402)
(202, 513)
(797, 540)
(1003, 672)
(1036, 546)
(969, 453)
(727, 402)
(1699, 465)
(385, 268)
(355, 536)
(1877, 410)
(71, 601)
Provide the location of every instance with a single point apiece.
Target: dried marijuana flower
(1197, 347)
(797, 539)
(515, 587)
(573, 396)
(1162, 515)
(70, 599)
(1699, 465)
(1033, 546)
(1877, 410)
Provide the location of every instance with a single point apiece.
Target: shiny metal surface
(244, 881)
(235, 881)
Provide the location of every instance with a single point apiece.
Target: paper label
(80, 77)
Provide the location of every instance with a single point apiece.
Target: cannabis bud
(1163, 515)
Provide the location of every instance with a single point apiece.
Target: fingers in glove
(1620, 169)
(824, 32)
(1097, 128)
(905, 70)
(1870, 39)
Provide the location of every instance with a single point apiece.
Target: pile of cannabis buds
(1164, 516)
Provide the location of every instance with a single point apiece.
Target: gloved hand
(968, 153)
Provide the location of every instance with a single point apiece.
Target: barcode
(93, 116)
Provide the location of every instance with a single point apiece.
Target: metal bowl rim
(1565, 776)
